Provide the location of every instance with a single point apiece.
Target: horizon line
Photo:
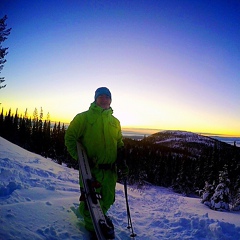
(149, 131)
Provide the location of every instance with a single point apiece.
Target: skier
(100, 134)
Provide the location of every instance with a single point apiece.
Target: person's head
(103, 97)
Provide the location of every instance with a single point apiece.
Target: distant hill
(177, 139)
(189, 143)
(141, 135)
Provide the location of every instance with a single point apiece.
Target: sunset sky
(170, 65)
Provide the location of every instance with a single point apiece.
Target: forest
(188, 170)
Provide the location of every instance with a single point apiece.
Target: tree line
(36, 135)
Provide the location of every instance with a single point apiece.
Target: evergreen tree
(236, 201)
(221, 197)
(22, 132)
(15, 128)
(35, 115)
(183, 182)
(4, 32)
(34, 134)
(52, 150)
(235, 187)
(207, 193)
(213, 165)
(46, 138)
(7, 130)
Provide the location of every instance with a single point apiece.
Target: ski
(103, 230)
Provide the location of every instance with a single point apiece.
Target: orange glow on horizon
(147, 130)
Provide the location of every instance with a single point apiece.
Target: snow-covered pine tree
(221, 197)
(207, 193)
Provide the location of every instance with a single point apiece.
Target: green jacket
(98, 131)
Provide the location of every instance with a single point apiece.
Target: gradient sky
(171, 65)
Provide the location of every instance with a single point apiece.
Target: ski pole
(128, 210)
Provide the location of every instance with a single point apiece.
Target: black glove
(122, 167)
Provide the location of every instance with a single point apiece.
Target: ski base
(103, 226)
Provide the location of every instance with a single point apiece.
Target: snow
(39, 200)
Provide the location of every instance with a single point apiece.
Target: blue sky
(169, 64)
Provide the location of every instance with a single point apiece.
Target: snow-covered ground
(39, 200)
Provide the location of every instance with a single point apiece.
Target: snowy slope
(39, 200)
